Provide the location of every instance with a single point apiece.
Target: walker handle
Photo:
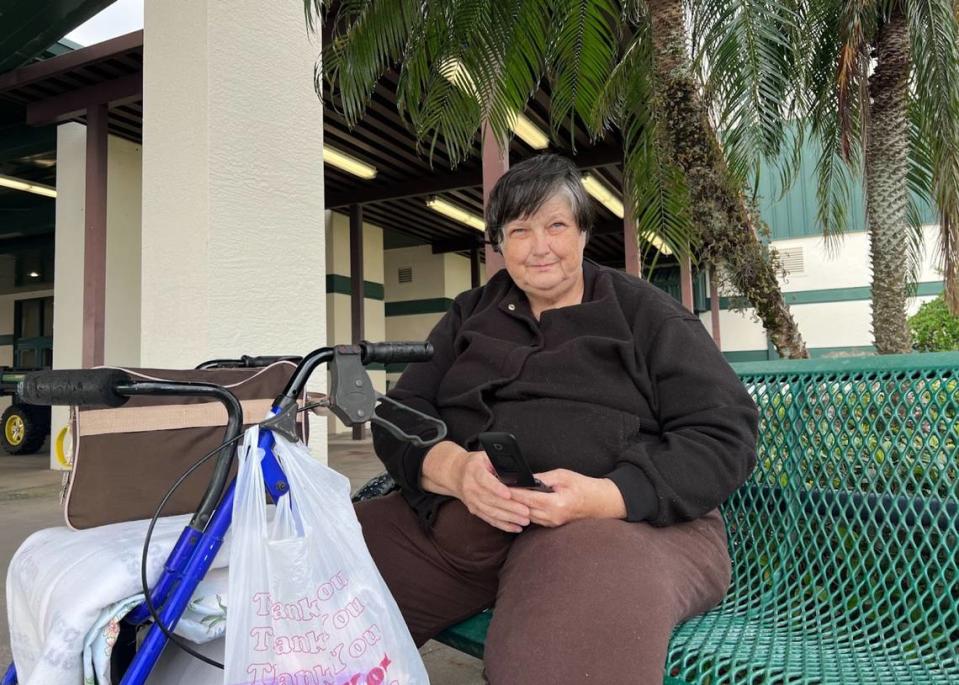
(82, 387)
(396, 352)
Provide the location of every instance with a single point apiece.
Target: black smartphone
(507, 459)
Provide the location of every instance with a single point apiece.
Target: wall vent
(405, 274)
(792, 261)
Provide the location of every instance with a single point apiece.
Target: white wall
(434, 277)
(122, 297)
(121, 335)
(825, 324)
(233, 239)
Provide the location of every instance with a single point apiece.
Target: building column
(233, 235)
(634, 260)
(714, 305)
(356, 285)
(474, 268)
(95, 237)
(495, 164)
(686, 282)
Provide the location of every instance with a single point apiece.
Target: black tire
(23, 429)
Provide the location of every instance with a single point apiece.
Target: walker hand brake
(398, 433)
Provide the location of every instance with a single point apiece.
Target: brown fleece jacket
(627, 385)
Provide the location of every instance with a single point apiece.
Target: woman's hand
(574, 497)
(448, 469)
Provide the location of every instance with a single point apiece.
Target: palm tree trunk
(720, 210)
(887, 159)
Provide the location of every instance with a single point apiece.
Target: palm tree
(898, 127)
(608, 65)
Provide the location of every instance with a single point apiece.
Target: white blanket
(66, 589)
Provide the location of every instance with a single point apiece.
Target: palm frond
(856, 27)
(367, 38)
(920, 183)
(580, 58)
(656, 188)
(935, 49)
(747, 54)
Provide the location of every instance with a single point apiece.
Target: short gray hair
(523, 189)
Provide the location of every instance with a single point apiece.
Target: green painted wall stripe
(6, 339)
(341, 285)
(836, 295)
(436, 305)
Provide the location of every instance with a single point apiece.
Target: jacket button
(511, 307)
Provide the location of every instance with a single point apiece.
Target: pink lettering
(293, 613)
(260, 672)
(340, 619)
(263, 637)
(357, 648)
(373, 634)
(335, 653)
(281, 645)
(263, 600)
(325, 591)
(317, 641)
(340, 581)
(355, 607)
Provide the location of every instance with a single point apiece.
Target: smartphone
(507, 459)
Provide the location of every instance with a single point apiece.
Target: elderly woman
(620, 402)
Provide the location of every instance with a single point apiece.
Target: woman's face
(544, 251)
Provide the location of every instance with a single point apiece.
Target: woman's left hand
(574, 497)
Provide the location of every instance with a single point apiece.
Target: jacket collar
(515, 302)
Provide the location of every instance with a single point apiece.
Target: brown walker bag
(126, 458)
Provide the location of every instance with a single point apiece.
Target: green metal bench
(845, 540)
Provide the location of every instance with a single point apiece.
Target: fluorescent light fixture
(456, 212)
(34, 274)
(529, 133)
(27, 186)
(348, 163)
(453, 71)
(657, 242)
(603, 194)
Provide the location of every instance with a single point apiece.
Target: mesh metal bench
(845, 540)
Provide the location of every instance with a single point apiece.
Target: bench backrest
(852, 514)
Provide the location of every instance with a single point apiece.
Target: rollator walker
(352, 399)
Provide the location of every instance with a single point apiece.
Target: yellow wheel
(24, 429)
(60, 453)
(14, 430)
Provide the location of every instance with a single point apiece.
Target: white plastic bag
(307, 605)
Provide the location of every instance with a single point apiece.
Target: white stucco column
(233, 237)
(122, 313)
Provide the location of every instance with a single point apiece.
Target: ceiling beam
(441, 183)
(115, 92)
(56, 66)
(29, 28)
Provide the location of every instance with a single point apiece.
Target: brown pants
(593, 601)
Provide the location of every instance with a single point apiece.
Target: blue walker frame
(195, 550)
